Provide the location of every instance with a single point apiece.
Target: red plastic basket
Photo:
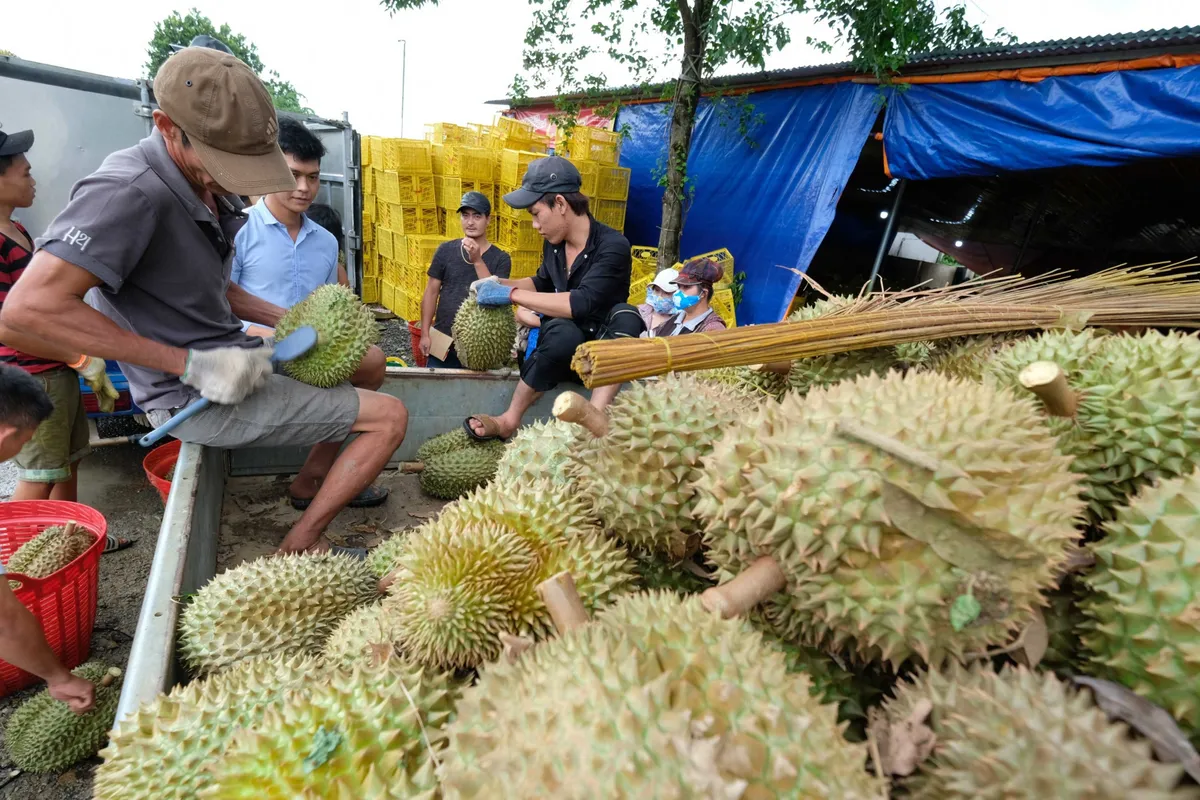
(414, 332)
(64, 603)
(158, 463)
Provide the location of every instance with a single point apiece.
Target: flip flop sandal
(369, 497)
(113, 543)
(489, 424)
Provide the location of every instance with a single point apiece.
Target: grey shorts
(283, 412)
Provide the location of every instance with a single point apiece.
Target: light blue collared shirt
(268, 264)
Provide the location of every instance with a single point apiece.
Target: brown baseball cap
(228, 117)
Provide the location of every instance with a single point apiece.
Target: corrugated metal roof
(1083, 48)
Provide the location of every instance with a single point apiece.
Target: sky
(348, 58)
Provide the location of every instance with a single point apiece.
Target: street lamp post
(403, 77)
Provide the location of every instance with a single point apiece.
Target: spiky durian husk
(1064, 623)
(45, 735)
(163, 751)
(444, 443)
(472, 573)
(541, 450)
(483, 337)
(655, 698)
(1022, 735)
(960, 492)
(357, 637)
(275, 604)
(382, 559)
(50, 551)
(656, 572)
(345, 330)
(1139, 412)
(374, 731)
(451, 475)
(753, 382)
(638, 476)
(967, 357)
(1144, 626)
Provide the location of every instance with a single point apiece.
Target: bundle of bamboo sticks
(1156, 295)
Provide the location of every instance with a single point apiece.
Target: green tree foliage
(177, 29)
(570, 42)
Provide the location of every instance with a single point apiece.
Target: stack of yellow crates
(645, 267)
(596, 152)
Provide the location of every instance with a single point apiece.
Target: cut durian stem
(411, 467)
(514, 646)
(559, 594)
(110, 676)
(572, 407)
(753, 585)
(1047, 380)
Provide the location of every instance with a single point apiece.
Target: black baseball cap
(204, 40)
(476, 201)
(13, 144)
(551, 175)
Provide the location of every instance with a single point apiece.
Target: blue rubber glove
(491, 293)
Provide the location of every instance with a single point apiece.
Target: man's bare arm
(45, 307)
(343, 278)
(549, 303)
(251, 308)
(518, 283)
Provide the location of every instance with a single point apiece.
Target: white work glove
(474, 287)
(94, 373)
(227, 375)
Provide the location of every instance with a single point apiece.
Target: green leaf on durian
(965, 610)
(325, 744)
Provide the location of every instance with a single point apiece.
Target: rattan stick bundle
(1162, 295)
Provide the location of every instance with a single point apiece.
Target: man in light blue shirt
(280, 254)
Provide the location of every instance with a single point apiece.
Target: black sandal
(369, 497)
(114, 543)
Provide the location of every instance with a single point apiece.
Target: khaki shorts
(283, 412)
(63, 438)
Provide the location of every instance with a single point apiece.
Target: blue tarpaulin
(947, 130)
(769, 204)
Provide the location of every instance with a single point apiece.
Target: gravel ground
(395, 340)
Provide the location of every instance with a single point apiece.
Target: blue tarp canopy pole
(770, 202)
(983, 128)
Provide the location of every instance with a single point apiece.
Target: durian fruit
(638, 475)
(655, 698)
(1138, 406)
(471, 574)
(1144, 610)
(1022, 735)
(807, 373)
(51, 550)
(345, 330)
(888, 508)
(756, 382)
(656, 572)
(444, 443)
(45, 735)
(541, 450)
(275, 604)
(358, 636)
(451, 475)
(164, 750)
(374, 731)
(483, 336)
(1065, 621)
(967, 357)
(382, 559)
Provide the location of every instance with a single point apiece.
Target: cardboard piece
(439, 344)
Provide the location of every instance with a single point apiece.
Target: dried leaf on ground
(902, 745)
(1034, 641)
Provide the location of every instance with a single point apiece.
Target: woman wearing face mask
(692, 299)
(658, 307)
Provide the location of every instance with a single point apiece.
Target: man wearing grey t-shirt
(151, 232)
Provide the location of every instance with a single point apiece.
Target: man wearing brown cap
(149, 236)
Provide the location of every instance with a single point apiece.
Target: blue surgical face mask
(683, 302)
(662, 305)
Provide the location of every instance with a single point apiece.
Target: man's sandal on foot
(369, 497)
(491, 428)
(114, 543)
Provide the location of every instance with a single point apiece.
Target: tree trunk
(679, 143)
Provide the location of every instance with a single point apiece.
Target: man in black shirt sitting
(579, 291)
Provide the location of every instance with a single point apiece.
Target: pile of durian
(924, 572)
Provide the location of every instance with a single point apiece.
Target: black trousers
(550, 362)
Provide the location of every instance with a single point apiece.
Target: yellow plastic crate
(383, 242)
(612, 183)
(387, 295)
(722, 257)
(391, 270)
(453, 227)
(400, 248)
(377, 152)
(637, 290)
(453, 189)
(368, 211)
(610, 212)
(410, 220)
(437, 158)
(449, 133)
(722, 303)
(368, 230)
(368, 182)
(590, 144)
(383, 214)
(474, 163)
(413, 281)
(416, 190)
(410, 156)
(518, 234)
(364, 146)
(370, 290)
(411, 306)
(511, 126)
(525, 263)
(513, 164)
(370, 262)
(387, 186)
(421, 250)
(589, 172)
(503, 209)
